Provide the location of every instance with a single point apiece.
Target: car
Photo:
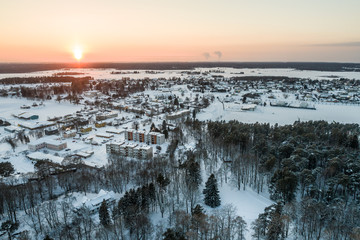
(68, 149)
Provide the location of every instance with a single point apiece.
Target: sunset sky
(186, 30)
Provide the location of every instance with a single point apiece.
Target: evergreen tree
(166, 133)
(211, 192)
(194, 114)
(151, 192)
(164, 125)
(354, 142)
(276, 225)
(104, 214)
(162, 181)
(283, 185)
(47, 238)
(193, 175)
(170, 234)
(9, 227)
(197, 210)
(6, 168)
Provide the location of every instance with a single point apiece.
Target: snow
(248, 203)
(44, 156)
(324, 111)
(228, 72)
(94, 202)
(11, 105)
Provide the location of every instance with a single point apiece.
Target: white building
(155, 138)
(132, 150)
(93, 204)
(47, 143)
(178, 115)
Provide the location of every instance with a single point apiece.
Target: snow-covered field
(228, 72)
(11, 105)
(324, 111)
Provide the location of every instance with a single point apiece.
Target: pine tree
(6, 168)
(162, 181)
(166, 133)
(276, 224)
(151, 192)
(47, 238)
(104, 214)
(354, 142)
(211, 192)
(197, 210)
(193, 175)
(171, 234)
(164, 125)
(9, 227)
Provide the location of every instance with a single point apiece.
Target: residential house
(51, 130)
(69, 134)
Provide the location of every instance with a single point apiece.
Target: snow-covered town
(88, 139)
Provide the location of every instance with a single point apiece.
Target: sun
(78, 53)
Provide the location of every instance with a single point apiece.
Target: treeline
(44, 79)
(114, 89)
(122, 87)
(319, 66)
(46, 91)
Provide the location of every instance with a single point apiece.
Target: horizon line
(139, 62)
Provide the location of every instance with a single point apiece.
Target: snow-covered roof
(45, 156)
(48, 140)
(93, 203)
(35, 125)
(105, 135)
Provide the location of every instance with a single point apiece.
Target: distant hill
(317, 66)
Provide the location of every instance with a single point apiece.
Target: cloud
(206, 55)
(218, 54)
(339, 44)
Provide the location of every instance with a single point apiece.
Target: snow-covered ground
(11, 105)
(248, 203)
(324, 111)
(228, 72)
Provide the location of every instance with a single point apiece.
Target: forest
(45, 79)
(310, 169)
(72, 88)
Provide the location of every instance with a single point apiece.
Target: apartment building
(132, 150)
(143, 137)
